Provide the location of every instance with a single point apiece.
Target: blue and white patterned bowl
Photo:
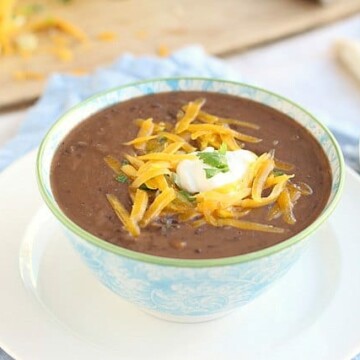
(177, 289)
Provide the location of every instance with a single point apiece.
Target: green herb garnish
(186, 195)
(216, 159)
(278, 173)
(122, 178)
(125, 162)
(211, 172)
(162, 140)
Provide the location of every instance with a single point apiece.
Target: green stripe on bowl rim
(175, 262)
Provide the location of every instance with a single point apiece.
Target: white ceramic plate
(51, 307)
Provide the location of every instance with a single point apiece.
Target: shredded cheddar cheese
(8, 26)
(134, 161)
(24, 32)
(78, 72)
(191, 112)
(145, 132)
(63, 53)
(286, 206)
(167, 157)
(160, 202)
(163, 50)
(150, 176)
(140, 140)
(18, 33)
(140, 204)
(123, 215)
(267, 166)
(107, 36)
(113, 163)
(129, 170)
(247, 225)
(27, 75)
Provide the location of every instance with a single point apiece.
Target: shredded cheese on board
(19, 32)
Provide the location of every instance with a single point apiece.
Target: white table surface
(302, 68)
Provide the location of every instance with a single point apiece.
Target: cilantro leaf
(186, 195)
(211, 172)
(216, 159)
(122, 178)
(278, 173)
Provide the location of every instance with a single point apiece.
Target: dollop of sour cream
(191, 174)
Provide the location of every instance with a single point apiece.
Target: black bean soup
(80, 178)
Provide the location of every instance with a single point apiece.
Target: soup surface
(81, 179)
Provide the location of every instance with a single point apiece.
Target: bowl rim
(179, 262)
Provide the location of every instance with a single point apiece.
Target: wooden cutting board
(142, 26)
